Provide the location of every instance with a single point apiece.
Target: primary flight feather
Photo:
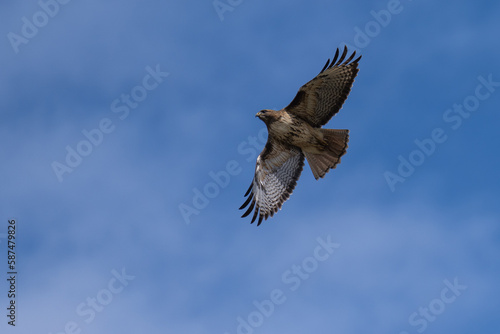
(295, 133)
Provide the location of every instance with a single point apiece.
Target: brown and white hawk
(295, 132)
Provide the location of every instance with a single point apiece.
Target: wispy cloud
(121, 208)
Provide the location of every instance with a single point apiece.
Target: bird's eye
(263, 111)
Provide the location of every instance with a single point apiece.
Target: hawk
(295, 133)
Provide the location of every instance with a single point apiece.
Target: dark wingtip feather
(249, 189)
(324, 67)
(250, 208)
(247, 201)
(335, 58)
(344, 53)
(254, 215)
(260, 220)
(350, 58)
(338, 61)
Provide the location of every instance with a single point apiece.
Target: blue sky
(403, 237)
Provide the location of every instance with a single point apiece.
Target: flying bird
(295, 132)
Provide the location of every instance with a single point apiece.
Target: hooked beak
(260, 114)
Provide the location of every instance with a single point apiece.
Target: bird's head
(265, 115)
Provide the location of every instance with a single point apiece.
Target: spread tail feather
(328, 159)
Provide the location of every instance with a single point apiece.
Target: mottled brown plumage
(295, 133)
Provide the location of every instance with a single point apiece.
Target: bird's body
(295, 133)
(291, 130)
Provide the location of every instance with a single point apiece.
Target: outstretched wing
(322, 97)
(276, 173)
